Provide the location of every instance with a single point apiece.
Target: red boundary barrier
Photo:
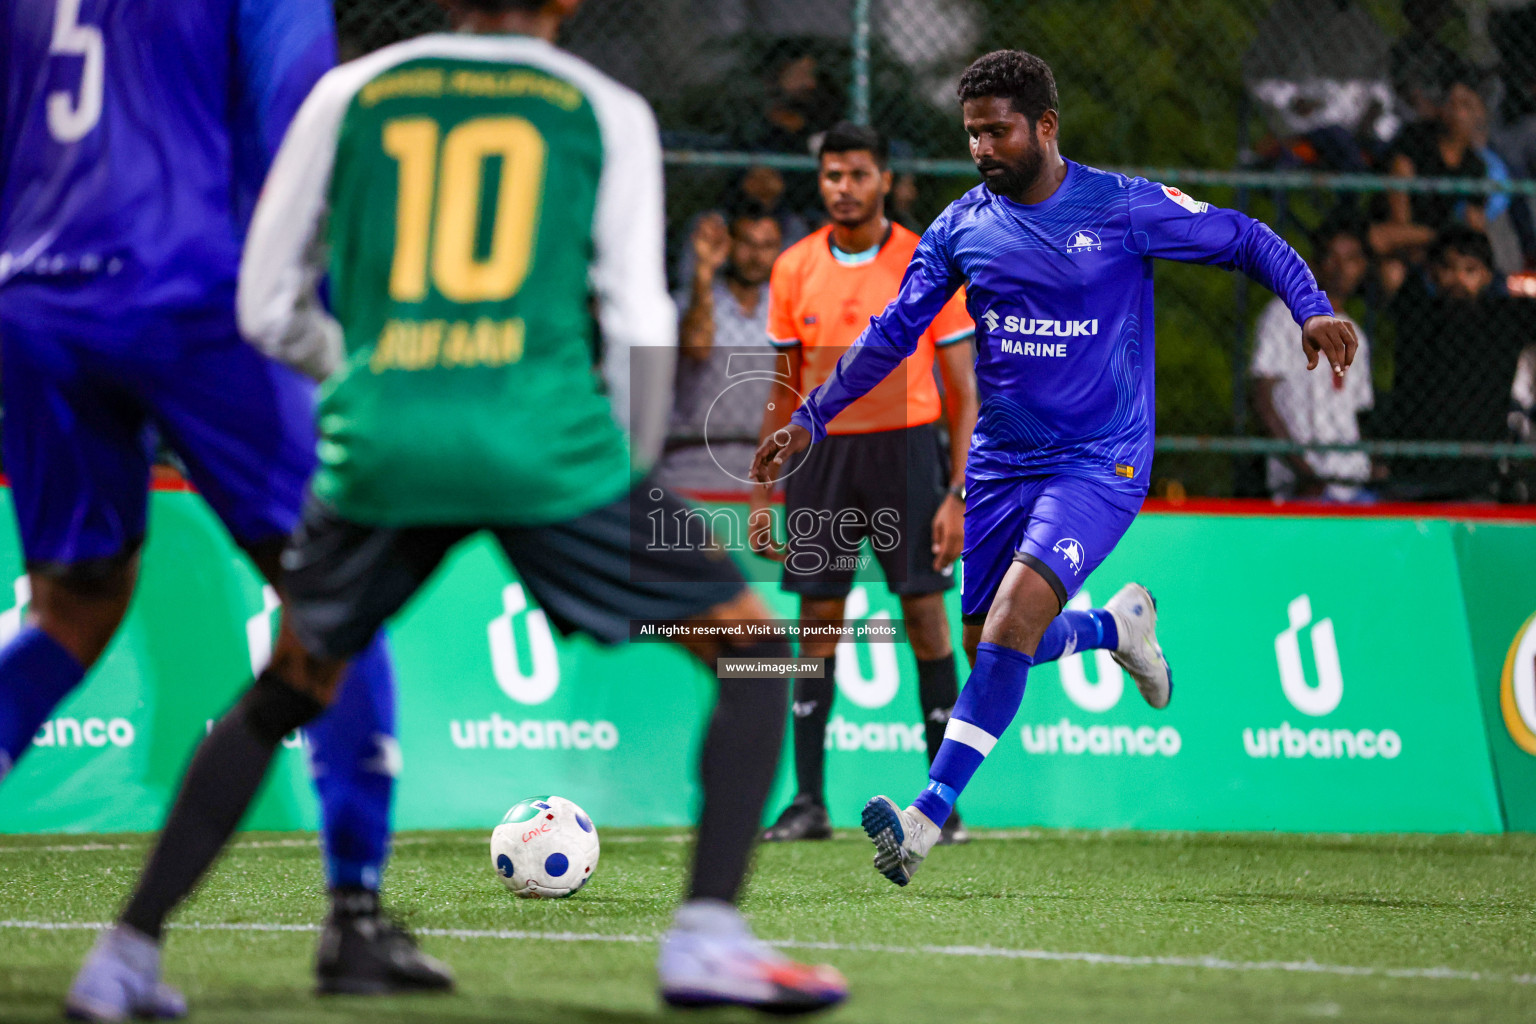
(1488, 511)
(165, 479)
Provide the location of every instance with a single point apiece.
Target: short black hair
(847, 137)
(1021, 78)
(1454, 71)
(1339, 226)
(1468, 241)
(747, 210)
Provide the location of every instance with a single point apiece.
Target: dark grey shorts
(593, 574)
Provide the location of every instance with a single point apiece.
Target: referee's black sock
(938, 687)
(741, 754)
(813, 705)
(218, 786)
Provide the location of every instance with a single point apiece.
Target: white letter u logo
(533, 687)
(1309, 699)
(1099, 696)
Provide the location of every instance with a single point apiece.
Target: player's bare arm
(776, 449)
(1331, 337)
(711, 249)
(960, 407)
(777, 408)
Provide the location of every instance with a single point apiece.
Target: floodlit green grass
(1377, 903)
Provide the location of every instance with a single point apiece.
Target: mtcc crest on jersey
(1083, 240)
(1072, 551)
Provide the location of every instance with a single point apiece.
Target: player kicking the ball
(884, 460)
(1056, 259)
(476, 198)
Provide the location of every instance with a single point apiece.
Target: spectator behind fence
(1519, 475)
(1419, 63)
(725, 363)
(1318, 71)
(758, 185)
(1458, 340)
(1508, 224)
(801, 101)
(1311, 407)
(1522, 398)
(799, 104)
(1445, 147)
(1513, 135)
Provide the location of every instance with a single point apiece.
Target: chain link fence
(1392, 141)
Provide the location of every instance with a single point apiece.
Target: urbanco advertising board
(1324, 680)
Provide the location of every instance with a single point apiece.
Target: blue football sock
(35, 674)
(1074, 631)
(984, 711)
(355, 758)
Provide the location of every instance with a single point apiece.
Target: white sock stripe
(975, 737)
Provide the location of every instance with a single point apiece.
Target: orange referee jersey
(822, 302)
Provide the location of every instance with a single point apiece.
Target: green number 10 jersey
(473, 199)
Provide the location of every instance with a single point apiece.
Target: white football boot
(1135, 613)
(902, 838)
(711, 958)
(120, 980)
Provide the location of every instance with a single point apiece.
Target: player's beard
(1016, 178)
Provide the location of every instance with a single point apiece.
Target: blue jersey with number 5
(134, 136)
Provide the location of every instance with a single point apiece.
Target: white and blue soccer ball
(545, 847)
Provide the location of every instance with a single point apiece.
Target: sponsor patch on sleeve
(1192, 205)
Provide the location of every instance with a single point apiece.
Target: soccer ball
(545, 846)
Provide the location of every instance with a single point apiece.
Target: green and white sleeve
(628, 272)
(285, 255)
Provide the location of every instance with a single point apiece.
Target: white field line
(313, 842)
(1207, 963)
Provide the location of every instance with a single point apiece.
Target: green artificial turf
(1004, 908)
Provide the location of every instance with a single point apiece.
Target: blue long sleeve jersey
(134, 138)
(1061, 293)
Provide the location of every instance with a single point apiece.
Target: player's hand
(776, 450)
(711, 243)
(760, 527)
(1330, 337)
(948, 533)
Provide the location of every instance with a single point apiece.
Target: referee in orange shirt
(881, 474)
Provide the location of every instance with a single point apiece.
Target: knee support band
(272, 708)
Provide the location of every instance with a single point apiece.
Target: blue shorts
(82, 420)
(1060, 526)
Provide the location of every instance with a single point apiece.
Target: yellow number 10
(449, 232)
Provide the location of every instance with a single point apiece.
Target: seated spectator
(1519, 475)
(1522, 398)
(1459, 336)
(1507, 223)
(800, 103)
(801, 100)
(1296, 404)
(1318, 72)
(1446, 147)
(760, 185)
(1513, 136)
(1419, 63)
(718, 399)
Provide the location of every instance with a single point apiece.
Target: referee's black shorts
(884, 486)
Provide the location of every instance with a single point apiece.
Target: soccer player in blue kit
(134, 137)
(1056, 258)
